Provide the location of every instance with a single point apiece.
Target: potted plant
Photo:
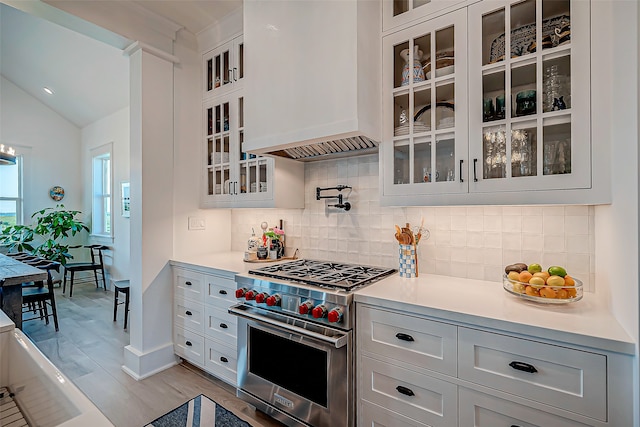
(46, 238)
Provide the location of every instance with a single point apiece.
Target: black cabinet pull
(223, 325)
(461, 162)
(404, 390)
(404, 337)
(475, 178)
(188, 343)
(187, 283)
(224, 359)
(521, 366)
(222, 292)
(188, 313)
(513, 425)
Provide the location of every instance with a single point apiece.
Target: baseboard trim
(141, 365)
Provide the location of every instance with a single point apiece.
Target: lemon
(555, 281)
(557, 271)
(534, 268)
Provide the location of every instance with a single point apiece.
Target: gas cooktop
(326, 274)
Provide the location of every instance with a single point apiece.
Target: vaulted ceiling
(89, 78)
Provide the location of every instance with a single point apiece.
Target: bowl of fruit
(551, 286)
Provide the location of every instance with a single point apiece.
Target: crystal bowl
(563, 294)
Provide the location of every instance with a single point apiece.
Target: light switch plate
(196, 223)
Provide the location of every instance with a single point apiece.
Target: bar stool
(118, 287)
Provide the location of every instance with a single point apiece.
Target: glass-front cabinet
(529, 95)
(232, 176)
(224, 68)
(398, 12)
(425, 108)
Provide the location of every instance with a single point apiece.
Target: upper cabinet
(529, 98)
(224, 68)
(399, 12)
(425, 108)
(313, 72)
(518, 134)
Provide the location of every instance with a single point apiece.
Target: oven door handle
(337, 342)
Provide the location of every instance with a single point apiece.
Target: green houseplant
(46, 237)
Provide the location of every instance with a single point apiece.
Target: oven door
(297, 372)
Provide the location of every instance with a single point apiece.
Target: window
(101, 185)
(11, 193)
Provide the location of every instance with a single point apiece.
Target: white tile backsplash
(474, 242)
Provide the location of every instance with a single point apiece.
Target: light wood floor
(88, 349)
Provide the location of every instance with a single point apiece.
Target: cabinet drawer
(481, 410)
(221, 325)
(219, 291)
(424, 343)
(221, 360)
(188, 284)
(371, 415)
(568, 379)
(414, 395)
(188, 345)
(188, 314)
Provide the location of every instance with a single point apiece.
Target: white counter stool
(121, 286)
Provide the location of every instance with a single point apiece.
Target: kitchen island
(13, 274)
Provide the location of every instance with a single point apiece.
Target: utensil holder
(408, 261)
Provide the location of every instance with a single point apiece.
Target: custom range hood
(313, 88)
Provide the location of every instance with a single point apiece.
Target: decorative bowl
(563, 294)
(526, 102)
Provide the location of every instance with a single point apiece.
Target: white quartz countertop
(587, 322)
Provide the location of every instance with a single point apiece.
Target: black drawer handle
(188, 343)
(404, 390)
(223, 325)
(188, 313)
(521, 366)
(461, 162)
(475, 178)
(222, 292)
(188, 283)
(224, 359)
(404, 337)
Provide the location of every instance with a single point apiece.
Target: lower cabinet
(204, 333)
(415, 370)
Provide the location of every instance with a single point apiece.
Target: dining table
(13, 274)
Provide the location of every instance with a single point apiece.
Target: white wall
(111, 129)
(51, 146)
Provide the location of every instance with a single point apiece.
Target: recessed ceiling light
(47, 90)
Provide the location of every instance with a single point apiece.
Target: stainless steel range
(295, 339)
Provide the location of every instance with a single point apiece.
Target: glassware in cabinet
(424, 75)
(523, 98)
(223, 67)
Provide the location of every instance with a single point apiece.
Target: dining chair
(96, 264)
(41, 296)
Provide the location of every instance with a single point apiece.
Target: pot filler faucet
(340, 205)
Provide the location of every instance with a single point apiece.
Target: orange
(563, 294)
(530, 290)
(525, 276)
(568, 281)
(547, 293)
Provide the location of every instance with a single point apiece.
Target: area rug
(199, 412)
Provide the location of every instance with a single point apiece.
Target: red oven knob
(319, 311)
(261, 297)
(240, 292)
(273, 300)
(250, 295)
(335, 315)
(305, 307)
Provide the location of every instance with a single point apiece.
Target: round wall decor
(56, 193)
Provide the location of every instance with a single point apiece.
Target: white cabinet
(414, 371)
(313, 72)
(529, 95)
(235, 178)
(205, 334)
(425, 109)
(396, 13)
(518, 134)
(223, 68)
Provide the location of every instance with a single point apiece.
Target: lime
(534, 268)
(557, 271)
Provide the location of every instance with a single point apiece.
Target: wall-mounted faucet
(340, 205)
